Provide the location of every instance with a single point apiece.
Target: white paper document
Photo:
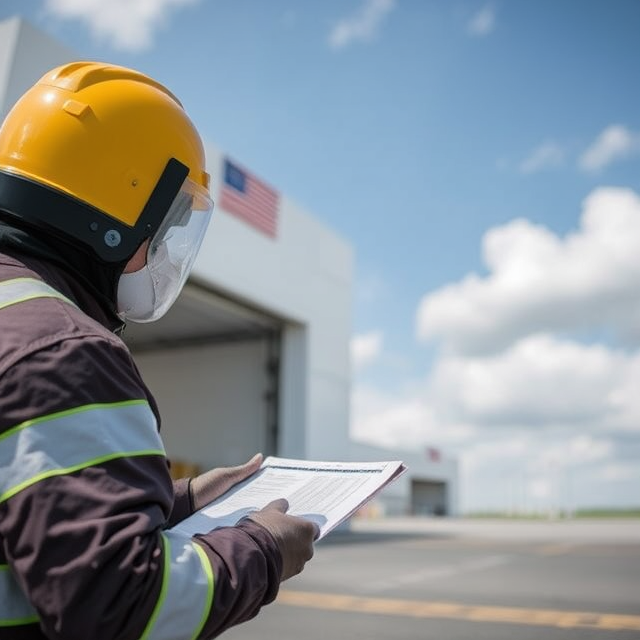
(325, 492)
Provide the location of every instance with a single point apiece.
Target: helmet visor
(173, 249)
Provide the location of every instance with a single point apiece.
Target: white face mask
(146, 295)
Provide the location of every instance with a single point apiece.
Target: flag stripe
(250, 199)
(234, 204)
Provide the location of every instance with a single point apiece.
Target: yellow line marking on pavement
(475, 613)
(555, 549)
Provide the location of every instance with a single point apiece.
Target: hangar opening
(213, 364)
(429, 497)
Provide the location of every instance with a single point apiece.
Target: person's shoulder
(39, 323)
(53, 357)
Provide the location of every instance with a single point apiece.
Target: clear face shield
(146, 295)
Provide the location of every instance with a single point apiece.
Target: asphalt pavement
(454, 579)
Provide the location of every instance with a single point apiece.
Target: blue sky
(483, 158)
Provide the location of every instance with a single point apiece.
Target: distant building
(254, 355)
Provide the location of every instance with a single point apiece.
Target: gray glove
(294, 536)
(211, 485)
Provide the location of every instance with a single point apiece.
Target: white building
(254, 355)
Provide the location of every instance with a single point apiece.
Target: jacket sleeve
(182, 506)
(84, 514)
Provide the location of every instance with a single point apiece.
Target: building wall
(304, 276)
(422, 468)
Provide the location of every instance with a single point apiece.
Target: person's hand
(211, 485)
(294, 536)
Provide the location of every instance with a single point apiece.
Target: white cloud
(542, 385)
(548, 155)
(540, 488)
(538, 382)
(538, 419)
(405, 420)
(615, 471)
(539, 282)
(483, 22)
(535, 472)
(614, 143)
(581, 449)
(521, 423)
(127, 25)
(539, 416)
(361, 27)
(365, 348)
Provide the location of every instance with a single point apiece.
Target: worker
(104, 200)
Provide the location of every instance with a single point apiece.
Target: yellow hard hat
(97, 153)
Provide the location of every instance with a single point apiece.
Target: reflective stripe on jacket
(60, 443)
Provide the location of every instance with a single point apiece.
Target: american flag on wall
(433, 454)
(250, 199)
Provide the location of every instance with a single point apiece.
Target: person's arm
(182, 503)
(83, 527)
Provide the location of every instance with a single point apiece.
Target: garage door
(428, 497)
(212, 363)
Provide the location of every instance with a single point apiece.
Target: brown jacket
(86, 499)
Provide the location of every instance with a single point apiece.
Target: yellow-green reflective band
(15, 609)
(23, 289)
(65, 442)
(206, 564)
(186, 596)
